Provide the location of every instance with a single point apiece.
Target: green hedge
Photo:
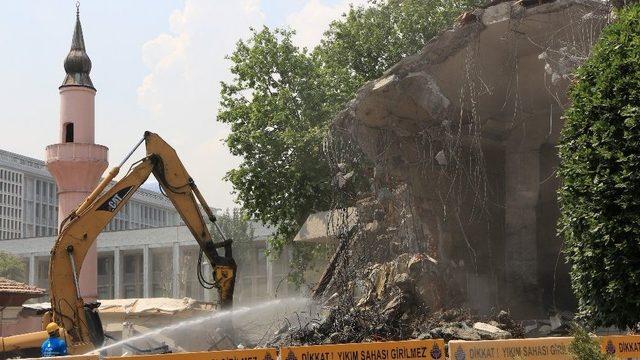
(600, 170)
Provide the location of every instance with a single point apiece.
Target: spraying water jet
(257, 319)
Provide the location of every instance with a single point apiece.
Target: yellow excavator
(79, 322)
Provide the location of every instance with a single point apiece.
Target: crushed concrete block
(491, 332)
(404, 282)
(373, 226)
(397, 307)
(441, 158)
(379, 277)
(455, 331)
(426, 93)
(555, 321)
(384, 83)
(544, 330)
(496, 13)
(529, 326)
(415, 266)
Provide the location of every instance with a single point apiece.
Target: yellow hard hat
(52, 327)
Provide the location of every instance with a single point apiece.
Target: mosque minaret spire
(76, 162)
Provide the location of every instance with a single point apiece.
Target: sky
(157, 65)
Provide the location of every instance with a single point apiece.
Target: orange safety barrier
(550, 348)
(389, 350)
(621, 346)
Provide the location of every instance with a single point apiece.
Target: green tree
(275, 108)
(600, 170)
(367, 41)
(585, 347)
(282, 99)
(236, 226)
(11, 267)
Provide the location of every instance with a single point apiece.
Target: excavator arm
(80, 230)
(185, 196)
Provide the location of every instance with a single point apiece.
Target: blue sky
(156, 65)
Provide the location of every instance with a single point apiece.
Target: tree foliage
(600, 169)
(11, 267)
(282, 99)
(235, 225)
(276, 110)
(366, 41)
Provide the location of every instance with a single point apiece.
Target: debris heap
(394, 301)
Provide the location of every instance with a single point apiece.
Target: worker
(54, 345)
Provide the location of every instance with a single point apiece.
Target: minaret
(76, 162)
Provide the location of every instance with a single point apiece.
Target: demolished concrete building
(466, 132)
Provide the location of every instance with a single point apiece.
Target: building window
(189, 285)
(161, 272)
(68, 132)
(42, 280)
(105, 276)
(132, 283)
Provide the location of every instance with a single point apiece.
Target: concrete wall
(470, 123)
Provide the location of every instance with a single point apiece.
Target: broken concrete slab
(455, 331)
(326, 226)
(497, 13)
(490, 332)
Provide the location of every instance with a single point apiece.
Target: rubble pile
(395, 301)
(402, 299)
(387, 284)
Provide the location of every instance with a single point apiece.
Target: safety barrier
(389, 350)
(622, 346)
(551, 348)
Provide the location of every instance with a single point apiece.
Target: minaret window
(68, 132)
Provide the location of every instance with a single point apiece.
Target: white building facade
(161, 262)
(28, 202)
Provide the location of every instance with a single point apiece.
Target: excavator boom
(79, 231)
